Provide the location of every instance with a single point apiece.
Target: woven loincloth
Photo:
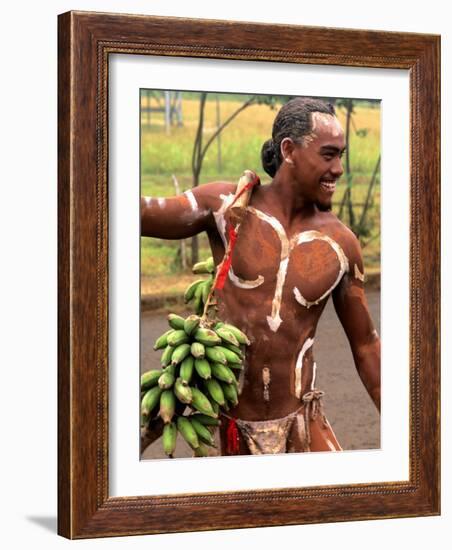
(291, 433)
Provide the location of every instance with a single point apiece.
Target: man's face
(317, 161)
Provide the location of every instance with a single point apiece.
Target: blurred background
(191, 138)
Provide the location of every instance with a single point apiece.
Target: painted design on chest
(274, 320)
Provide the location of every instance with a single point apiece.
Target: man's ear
(287, 149)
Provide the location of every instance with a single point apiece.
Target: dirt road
(348, 407)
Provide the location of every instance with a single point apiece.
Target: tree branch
(225, 123)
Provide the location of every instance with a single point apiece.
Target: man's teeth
(331, 185)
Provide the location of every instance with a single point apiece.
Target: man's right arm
(184, 215)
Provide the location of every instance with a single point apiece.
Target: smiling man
(290, 255)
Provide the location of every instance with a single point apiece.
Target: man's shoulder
(341, 233)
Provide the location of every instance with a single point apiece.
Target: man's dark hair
(293, 121)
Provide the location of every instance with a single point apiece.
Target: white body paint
(161, 202)
(314, 372)
(192, 200)
(220, 222)
(358, 274)
(308, 236)
(299, 366)
(148, 200)
(220, 219)
(242, 283)
(274, 320)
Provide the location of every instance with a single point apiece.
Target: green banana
(227, 336)
(167, 405)
(230, 392)
(171, 369)
(201, 451)
(207, 337)
(176, 321)
(200, 267)
(182, 391)
(235, 365)
(161, 341)
(166, 356)
(235, 349)
(177, 338)
(218, 325)
(201, 431)
(180, 353)
(169, 438)
(150, 378)
(216, 408)
(150, 400)
(206, 289)
(186, 369)
(198, 350)
(241, 336)
(191, 323)
(216, 355)
(223, 373)
(202, 367)
(190, 292)
(210, 265)
(166, 380)
(206, 420)
(197, 303)
(214, 389)
(231, 357)
(201, 403)
(187, 431)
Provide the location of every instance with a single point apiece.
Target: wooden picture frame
(85, 42)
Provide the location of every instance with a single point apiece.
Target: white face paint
(299, 366)
(327, 121)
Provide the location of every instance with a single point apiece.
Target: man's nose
(336, 168)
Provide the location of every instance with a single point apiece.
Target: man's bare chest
(302, 266)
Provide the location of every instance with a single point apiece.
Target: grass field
(163, 155)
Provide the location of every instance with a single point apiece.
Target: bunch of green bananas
(200, 289)
(198, 362)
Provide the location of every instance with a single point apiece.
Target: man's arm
(184, 215)
(351, 307)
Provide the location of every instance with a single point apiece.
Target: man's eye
(327, 156)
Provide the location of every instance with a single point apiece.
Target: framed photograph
(123, 81)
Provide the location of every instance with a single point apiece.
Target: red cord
(227, 260)
(232, 438)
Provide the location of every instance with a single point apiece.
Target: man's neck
(285, 196)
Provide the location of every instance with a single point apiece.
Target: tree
(200, 150)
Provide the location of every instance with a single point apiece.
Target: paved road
(348, 407)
